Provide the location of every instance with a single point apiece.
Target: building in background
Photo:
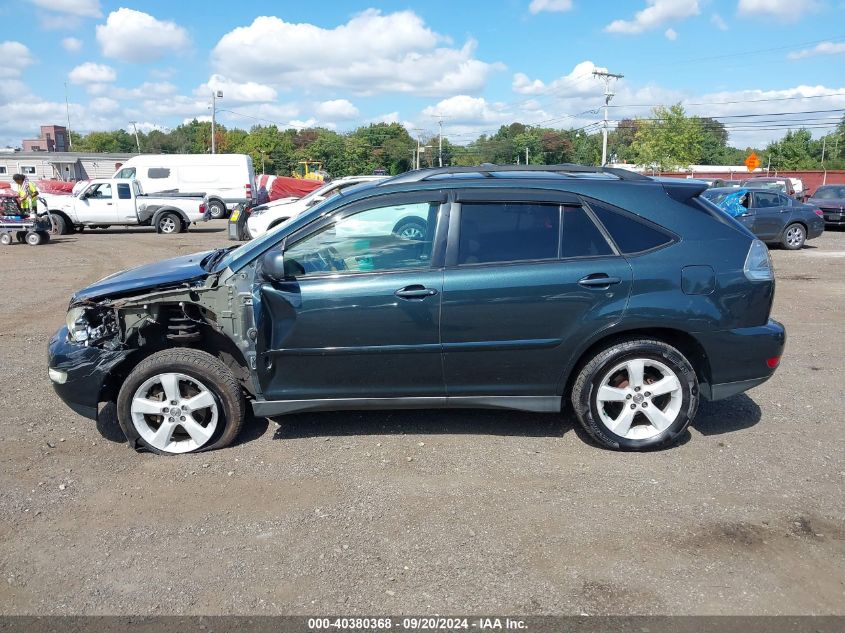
(54, 138)
(66, 166)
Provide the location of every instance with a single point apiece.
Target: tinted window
(385, 238)
(581, 237)
(128, 172)
(158, 172)
(829, 193)
(123, 191)
(508, 232)
(630, 235)
(766, 200)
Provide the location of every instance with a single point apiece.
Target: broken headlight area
(90, 325)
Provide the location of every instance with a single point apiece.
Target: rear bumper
(816, 229)
(78, 373)
(739, 358)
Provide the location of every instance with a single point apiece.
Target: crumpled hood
(168, 272)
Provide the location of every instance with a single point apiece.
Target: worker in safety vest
(27, 195)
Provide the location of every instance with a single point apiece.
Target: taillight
(819, 212)
(758, 263)
(202, 208)
(773, 362)
(248, 190)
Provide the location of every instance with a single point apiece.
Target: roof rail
(487, 169)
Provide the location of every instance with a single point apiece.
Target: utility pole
(419, 131)
(440, 118)
(526, 155)
(137, 142)
(215, 95)
(67, 112)
(824, 144)
(608, 95)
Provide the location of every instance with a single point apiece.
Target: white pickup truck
(120, 201)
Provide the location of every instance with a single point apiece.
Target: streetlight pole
(137, 142)
(608, 95)
(215, 95)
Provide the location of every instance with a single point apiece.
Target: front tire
(636, 395)
(794, 237)
(169, 223)
(180, 401)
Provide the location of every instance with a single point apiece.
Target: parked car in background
(782, 184)
(831, 200)
(531, 288)
(271, 214)
(106, 202)
(225, 179)
(771, 215)
(800, 190)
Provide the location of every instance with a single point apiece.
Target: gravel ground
(421, 512)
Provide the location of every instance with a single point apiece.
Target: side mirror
(273, 265)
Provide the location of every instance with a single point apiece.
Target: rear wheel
(217, 209)
(169, 223)
(180, 401)
(5, 239)
(34, 238)
(794, 237)
(636, 395)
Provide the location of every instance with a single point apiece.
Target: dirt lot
(421, 512)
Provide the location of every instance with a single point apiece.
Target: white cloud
(463, 109)
(17, 58)
(579, 82)
(671, 34)
(81, 8)
(657, 13)
(371, 53)
(91, 73)
(147, 90)
(104, 104)
(785, 10)
(388, 117)
(823, 48)
(72, 44)
(337, 110)
(719, 22)
(537, 6)
(246, 92)
(201, 119)
(135, 36)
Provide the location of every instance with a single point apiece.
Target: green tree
(669, 140)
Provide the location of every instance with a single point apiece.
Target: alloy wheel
(174, 413)
(167, 225)
(795, 236)
(639, 398)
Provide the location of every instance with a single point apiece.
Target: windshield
(829, 193)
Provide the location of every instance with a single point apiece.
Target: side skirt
(540, 404)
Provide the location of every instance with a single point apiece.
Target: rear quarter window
(158, 172)
(631, 235)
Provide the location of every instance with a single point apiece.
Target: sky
(761, 66)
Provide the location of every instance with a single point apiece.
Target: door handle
(415, 291)
(108, 204)
(598, 281)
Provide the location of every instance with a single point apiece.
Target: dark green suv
(523, 288)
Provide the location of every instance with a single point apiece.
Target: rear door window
(123, 192)
(581, 237)
(508, 232)
(766, 200)
(632, 235)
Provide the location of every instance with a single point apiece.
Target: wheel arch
(276, 223)
(684, 342)
(162, 210)
(211, 341)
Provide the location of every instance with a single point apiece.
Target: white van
(226, 179)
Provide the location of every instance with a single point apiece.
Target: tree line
(666, 140)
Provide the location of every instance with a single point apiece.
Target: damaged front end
(107, 334)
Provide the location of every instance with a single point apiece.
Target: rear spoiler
(683, 190)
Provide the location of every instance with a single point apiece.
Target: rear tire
(150, 419)
(5, 239)
(794, 237)
(169, 223)
(34, 239)
(411, 229)
(217, 209)
(619, 403)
